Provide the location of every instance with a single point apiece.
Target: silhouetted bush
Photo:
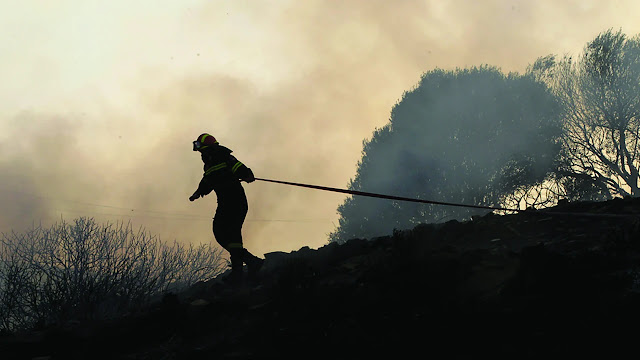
(83, 270)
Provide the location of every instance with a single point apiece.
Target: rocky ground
(563, 281)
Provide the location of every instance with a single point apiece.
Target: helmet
(204, 141)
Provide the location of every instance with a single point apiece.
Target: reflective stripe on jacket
(222, 173)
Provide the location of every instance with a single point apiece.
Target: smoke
(104, 126)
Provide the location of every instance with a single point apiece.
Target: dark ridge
(529, 285)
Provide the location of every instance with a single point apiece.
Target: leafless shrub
(83, 270)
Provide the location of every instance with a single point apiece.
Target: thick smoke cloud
(293, 87)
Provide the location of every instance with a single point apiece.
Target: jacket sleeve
(240, 170)
(205, 186)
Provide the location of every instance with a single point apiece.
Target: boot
(236, 275)
(233, 279)
(254, 263)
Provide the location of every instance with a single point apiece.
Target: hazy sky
(100, 100)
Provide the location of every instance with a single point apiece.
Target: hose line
(389, 197)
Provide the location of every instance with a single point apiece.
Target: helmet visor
(197, 145)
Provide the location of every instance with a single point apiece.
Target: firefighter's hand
(194, 196)
(250, 178)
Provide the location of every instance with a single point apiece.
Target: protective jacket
(222, 174)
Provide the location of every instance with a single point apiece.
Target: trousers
(227, 229)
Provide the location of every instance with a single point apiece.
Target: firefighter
(222, 174)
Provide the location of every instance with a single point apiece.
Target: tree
(600, 93)
(472, 136)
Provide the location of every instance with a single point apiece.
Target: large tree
(472, 136)
(600, 93)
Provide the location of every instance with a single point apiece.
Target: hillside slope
(533, 284)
